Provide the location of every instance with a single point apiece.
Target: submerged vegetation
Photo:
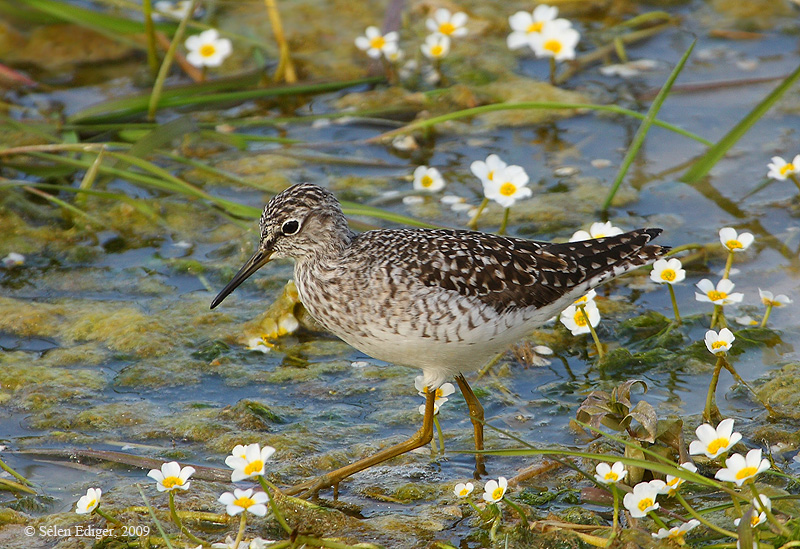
(138, 142)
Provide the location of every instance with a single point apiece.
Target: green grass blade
(526, 105)
(644, 127)
(700, 168)
(193, 96)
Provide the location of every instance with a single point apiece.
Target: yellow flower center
(447, 28)
(437, 50)
(714, 295)
(555, 47)
(536, 26)
(677, 536)
(426, 181)
(734, 244)
(244, 502)
(253, 467)
(787, 168)
(463, 492)
(718, 443)
(668, 275)
(439, 393)
(644, 503)
(746, 472)
(675, 482)
(508, 189)
(497, 493)
(490, 175)
(91, 504)
(718, 345)
(377, 43)
(171, 482)
(598, 235)
(207, 50)
(755, 520)
(611, 476)
(580, 319)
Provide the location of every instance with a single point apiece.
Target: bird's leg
(420, 438)
(476, 416)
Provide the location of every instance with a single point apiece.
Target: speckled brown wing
(511, 273)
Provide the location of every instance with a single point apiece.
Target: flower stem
(504, 224)
(674, 303)
(473, 223)
(495, 526)
(699, 517)
(728, 264)
(738, 378)
(173, 512)
(711, 412)
(519, 512)
(439, 433)
(477, 510)
(793, 177)
(591, 330)
(240, 533)
(615, 520)
(760, 508)
(274, 506)
(106, 516)
(150, 32)
(766, 316)
(657, 520)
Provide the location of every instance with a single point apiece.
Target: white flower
(667, 271)
(89, 502)
(448, 24)
(13, 260)
(757, 517)
(771, 300)
(719, 343)
(739, 468)
(444, 390)
(524, 25)
(178, 10)
(436, 46)
(677, 533)
(597, 230)
(248, 461)
(485, 171)
(435, 409)
(258, 344)
(462, 490)
(573, 318)
(556, 40)
(428, 179)
(171, 477)
(494, 490)
(589, 296)
(375, 43)
(673, 482)
(719, 294)
(395, 57)
(713, 442)
(507, 186)
(733, 241)
(610, 474)
(287, 324)
(643, 498)
(780, 169)
(207, 49)
(229, 543)
(244, 500)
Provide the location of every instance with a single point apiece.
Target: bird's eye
(290, 227)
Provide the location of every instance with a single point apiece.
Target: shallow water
(109, 344)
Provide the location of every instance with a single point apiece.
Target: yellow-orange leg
(476, 416)
(420, 438)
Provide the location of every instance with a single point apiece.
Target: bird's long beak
(259, 259)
